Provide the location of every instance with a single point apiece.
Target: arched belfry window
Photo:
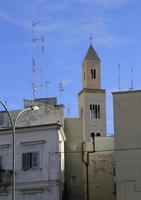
(94, 111)
(93, 73)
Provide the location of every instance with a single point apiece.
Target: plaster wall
(47, 179)
(100, 170)
(73, 158)
(127, 115)
(92, 125)
(47, 114)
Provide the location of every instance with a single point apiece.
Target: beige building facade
(73, 159)
(127, 125)
(101, 164)
(39, 152)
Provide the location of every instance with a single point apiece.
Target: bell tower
(92, 99)
(91, 69)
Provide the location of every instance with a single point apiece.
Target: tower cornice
(89, 90)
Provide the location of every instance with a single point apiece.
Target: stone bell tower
(92, 99)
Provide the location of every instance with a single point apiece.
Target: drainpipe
(87, 161)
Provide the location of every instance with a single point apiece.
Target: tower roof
(91, 54)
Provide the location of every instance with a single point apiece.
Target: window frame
(94, 111)
(29, 159)
(93, 73)
(73, 182)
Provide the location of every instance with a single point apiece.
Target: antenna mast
(47, 82)
(37, 61)
(132, 81)
(61, 88)
(119, 77)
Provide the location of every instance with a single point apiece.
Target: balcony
(5, 177)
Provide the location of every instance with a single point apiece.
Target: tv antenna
(132, 81)
(37, 61)
(47, 83)
(61, 87)
(68, 112)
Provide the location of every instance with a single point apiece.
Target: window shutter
(25, 161)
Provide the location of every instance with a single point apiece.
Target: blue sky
(67, 26)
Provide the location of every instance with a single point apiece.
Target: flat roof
(126, 92)
(58, 125)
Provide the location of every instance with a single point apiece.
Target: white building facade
(39, 152)
(39, 162)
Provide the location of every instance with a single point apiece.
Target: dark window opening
(115, 189)
(94, 111)
(93, 73)
(30, 160)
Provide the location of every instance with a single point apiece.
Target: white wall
(46, 180)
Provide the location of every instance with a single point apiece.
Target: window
(93, 73)
(98, 134)
(73, 180)
(1, 162)
(94, 111)
(30, 160)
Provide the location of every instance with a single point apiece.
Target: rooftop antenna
(132, 81)
(61, 88)
(5, 102)
(47, 82)
(68, 112)
(37, 64)
(119, 86)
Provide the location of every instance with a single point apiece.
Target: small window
(73, 180)
(94, 111)
(30, 160)
(98, 134)
(93, 73)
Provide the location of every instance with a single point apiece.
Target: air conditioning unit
(5, 177)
